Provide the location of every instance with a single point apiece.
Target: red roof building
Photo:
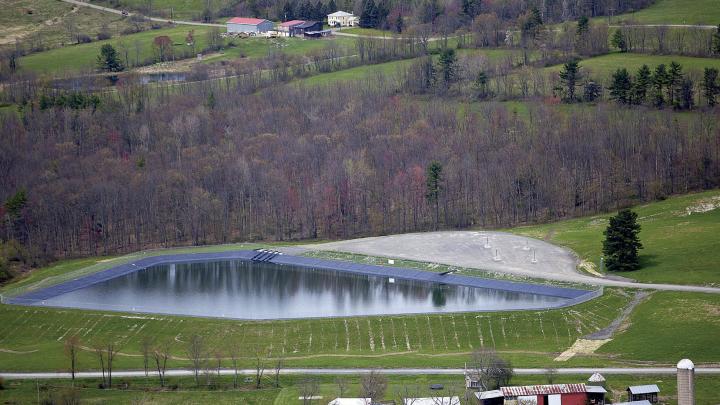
(552, 394)
(246, 25)
(245, 20)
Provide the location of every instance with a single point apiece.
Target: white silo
(685, 383)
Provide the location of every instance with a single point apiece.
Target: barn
(552, 394)
(286, 26)
(299, 30)
(251, 26)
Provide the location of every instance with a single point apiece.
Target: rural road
(495, 252)
(119, 12)
(350, 371)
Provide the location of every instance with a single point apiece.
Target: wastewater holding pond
(248, 290)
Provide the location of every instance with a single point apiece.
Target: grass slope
(680, 243)
(32, 337)
(703, 12)
(605, 65)
(178, 9)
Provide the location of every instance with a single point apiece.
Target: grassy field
(705, 12)
(368, 31)
(32, 337)
(680, 240)
(144, 391)
(605, 65)
(178, 9)
(47, 21)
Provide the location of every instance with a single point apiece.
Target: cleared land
(178, 9)
(605, 65)
(702, 12)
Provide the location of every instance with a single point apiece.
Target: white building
(342, 19)
(248, 25)
(351, 401)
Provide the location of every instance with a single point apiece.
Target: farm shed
(285, 27)
(351, 401)
(432, 401)
(305, 26)
(552, 394)
(644, 392)
(248, 25)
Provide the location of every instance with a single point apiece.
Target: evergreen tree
(674, 81)
(622, 243)
(659, 80)
(429, 11)
(591, 92)
(399, 24)
(471, 8)
(532, 24)
(687, 95)
(569, 78)
(369, 15)
(618, 41)
(711, 88)
(288, 11)
(641, 85)
(318, 11)
(583, 26)
(434, 187)
(448, 65)
(481, 85)
(621, 86)
(108, 60)
(331, 7)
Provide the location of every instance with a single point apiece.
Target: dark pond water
(247, 290)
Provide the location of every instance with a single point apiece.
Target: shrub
(83, 39)
(102, 35)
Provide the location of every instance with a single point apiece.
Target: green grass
(678, 248)
(179, 9)
(32, 337)
(705, 12)
(368, 31)
(673, 323)
(605, 65)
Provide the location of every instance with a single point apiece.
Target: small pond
(249, 290)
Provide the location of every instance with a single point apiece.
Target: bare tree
(72, 345)
(218, 354)
(309, 388)
(146, 345)
(550, 374)
(161, 354)
(234, 353)
(99, 350)
(490, 369)
(373, 385)
(197, 354)
(111, 350)
(260, 355)
(279, 364)
(342, 386)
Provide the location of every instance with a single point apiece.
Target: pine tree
(331, 7)
(686, 96)
(108, 59)
(618, 41)
(622, 243)
(434, 187)
(660, 80)
(399, 24)
(369, 15)
(641, 85)
(448, 65)
(674, 81)
(288, 11)
(621, 86)
(591, 92)
(711, 88)
(569, 77)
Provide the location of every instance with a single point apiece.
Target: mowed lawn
(679, 236)
(180, 9)
(605, 65)
(703, 12)
(32, 337)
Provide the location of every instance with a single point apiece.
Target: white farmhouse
(342, 19)
(248, 25)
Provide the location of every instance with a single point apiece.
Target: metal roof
(246, 20)
(489, 394)
(643, 402)
(351, 401)
(340, 14)
(432, 401)
(543, 389)
(306, 24)
(643, 389)
(291, 23)
(597, 377)
(595, 389)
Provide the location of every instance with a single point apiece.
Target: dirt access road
(496, 252)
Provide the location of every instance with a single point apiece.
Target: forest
(336, 161)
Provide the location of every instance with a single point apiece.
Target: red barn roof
(291, 23)
(543, 389)
(244, 20)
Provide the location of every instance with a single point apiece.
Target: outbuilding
(243, 25)
(551, 394)
(306, 26)
(351, 401)
(286, 26)
(644, 392)
(432, 401)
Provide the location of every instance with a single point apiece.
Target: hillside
(702, 12)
